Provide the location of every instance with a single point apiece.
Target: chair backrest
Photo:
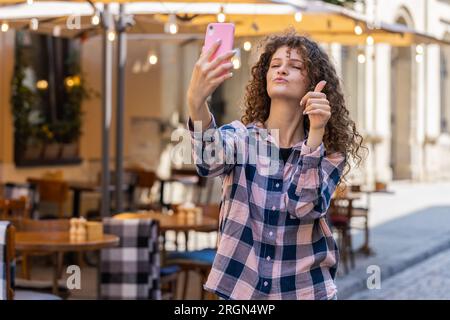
(340, 208)
(52, 191)
(145, 178)
(50, 225)
(14, 209)
(131, 270)
(7, 260)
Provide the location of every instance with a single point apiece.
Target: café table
(178, 222)
(56, 243)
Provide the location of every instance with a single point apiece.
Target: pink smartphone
(223, 31)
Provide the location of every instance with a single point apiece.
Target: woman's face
(286, 77)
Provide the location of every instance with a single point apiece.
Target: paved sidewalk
(406, 229)
(427, 280)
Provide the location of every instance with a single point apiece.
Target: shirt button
(268, 258)
(273, 208)
(265, 283)
(270, 233)
(277, 185)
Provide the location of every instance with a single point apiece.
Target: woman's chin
(283, 95)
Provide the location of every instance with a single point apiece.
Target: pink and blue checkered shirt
(274, 239)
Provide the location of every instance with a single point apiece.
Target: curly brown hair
(340, 132)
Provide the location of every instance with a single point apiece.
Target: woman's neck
(287, 117)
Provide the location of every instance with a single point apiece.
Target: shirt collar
(261, 130)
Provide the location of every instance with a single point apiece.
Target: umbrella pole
(121, 57)
(106, 111)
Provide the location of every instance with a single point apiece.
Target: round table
(57, 243)
(176, 221)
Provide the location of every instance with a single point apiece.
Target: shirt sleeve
(215, 150)
(314, 182)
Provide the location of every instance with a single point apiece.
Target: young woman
(274, 240)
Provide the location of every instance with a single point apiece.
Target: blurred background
(91, 93)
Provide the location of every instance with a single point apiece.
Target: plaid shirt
(274, 240)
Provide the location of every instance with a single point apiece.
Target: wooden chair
(360, 215)
(144, 181)
(14, 209)
(10, 283)
(52, 191)
(9, 262)
(41, 226)
(340, 215)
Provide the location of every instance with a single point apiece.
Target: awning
(322, 22)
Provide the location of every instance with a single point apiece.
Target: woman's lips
(280, 80)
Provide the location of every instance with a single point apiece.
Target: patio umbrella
(322, 22)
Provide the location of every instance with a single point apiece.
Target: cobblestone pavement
(429, 279)
(407, 227)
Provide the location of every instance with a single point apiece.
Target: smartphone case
(223, 31)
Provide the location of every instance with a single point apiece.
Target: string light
(42, 84)
(236, 60)
(247, 45)
(419, 53)
(171, 26)
(95, 20)
(111, 35)
(153, 59)
(221, 17)
(34, 24)
(30, 2)
(370, 41)
(361, 58)
(419, 49)
(5, 27)
(298, 16)
(358, 30)
(56, 31)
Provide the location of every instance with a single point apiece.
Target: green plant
(23, 100)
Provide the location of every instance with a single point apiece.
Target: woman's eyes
(276, 66)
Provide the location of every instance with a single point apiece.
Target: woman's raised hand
(208, 75)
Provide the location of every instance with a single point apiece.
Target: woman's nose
(282, 70)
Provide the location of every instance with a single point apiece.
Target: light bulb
(358, 30)
(34, 24)
(370, 41)
(221, 17)
(173, 28)
(153, 59)
(236, 63)
(171, 25)
(247, 45)
(56, 31)
(5, 26)
(111, 35)
(298, 16)
(419, 49)
(361, 58)
(419, 58)
(42, 84)
(95, 20)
